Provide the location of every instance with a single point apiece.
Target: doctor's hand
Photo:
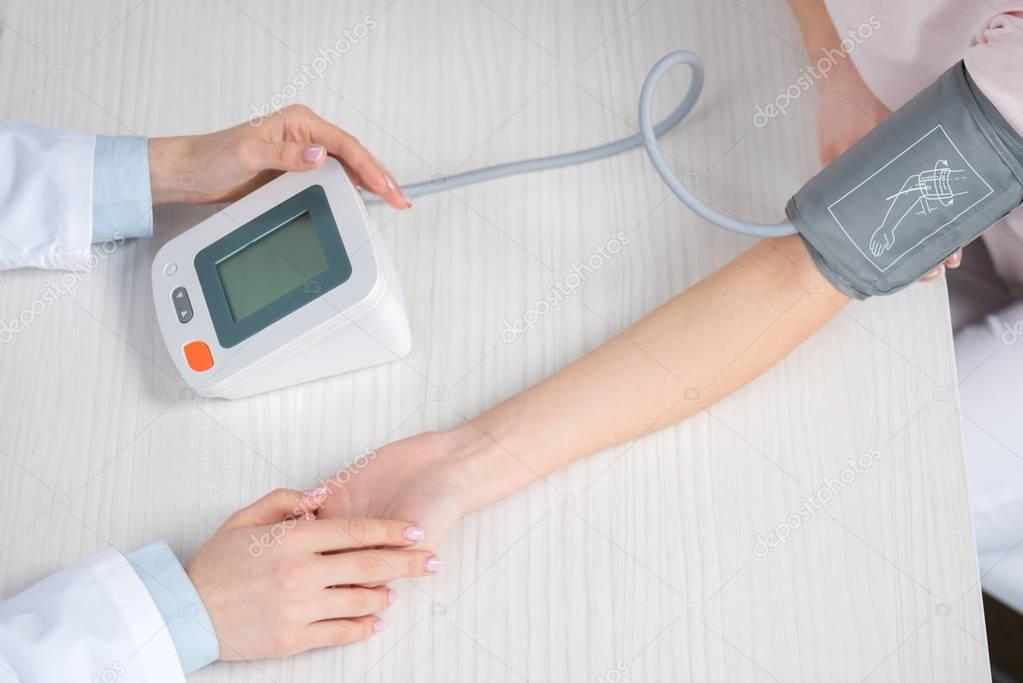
(275, 581)
(228, 164)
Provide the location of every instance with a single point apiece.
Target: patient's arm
(695, 349)
(684, 356)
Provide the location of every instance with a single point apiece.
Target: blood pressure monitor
(282, 287)
(285, 286)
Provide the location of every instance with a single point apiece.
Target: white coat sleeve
(93, 621)
(46, 184)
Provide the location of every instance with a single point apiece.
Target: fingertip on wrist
(313, 154)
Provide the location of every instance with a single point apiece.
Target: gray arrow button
(182, 304)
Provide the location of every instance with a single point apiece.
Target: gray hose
(647, 137)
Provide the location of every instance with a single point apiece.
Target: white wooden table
(645, 566)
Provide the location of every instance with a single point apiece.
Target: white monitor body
(338, 324)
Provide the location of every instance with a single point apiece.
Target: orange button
(198, 356)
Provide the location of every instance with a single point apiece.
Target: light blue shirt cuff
(179, 603)
(122, 201)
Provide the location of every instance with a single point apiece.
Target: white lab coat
(95, 621)
(45, 196)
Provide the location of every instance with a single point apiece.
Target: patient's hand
(418, 479)
(228, 164)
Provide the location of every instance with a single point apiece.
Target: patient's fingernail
(379, 625)
(414, 533)
(434, 564)
(316, 492)
(392, 596)
(312, 153)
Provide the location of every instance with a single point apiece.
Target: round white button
(170, 269)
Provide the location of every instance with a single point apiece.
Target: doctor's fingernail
(312, 153)
(379, 625)
(414, 533)
(392, 596)
(392, 186)
(434, 564)
(316, 492)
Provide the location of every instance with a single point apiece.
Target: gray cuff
(927, 181)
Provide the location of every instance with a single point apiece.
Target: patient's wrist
(489, 462)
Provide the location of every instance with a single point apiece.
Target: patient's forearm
(695, 349)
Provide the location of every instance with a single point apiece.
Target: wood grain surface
(639, 564)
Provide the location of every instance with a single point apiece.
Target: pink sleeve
(995, 61)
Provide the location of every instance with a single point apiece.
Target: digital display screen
(272, 266)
